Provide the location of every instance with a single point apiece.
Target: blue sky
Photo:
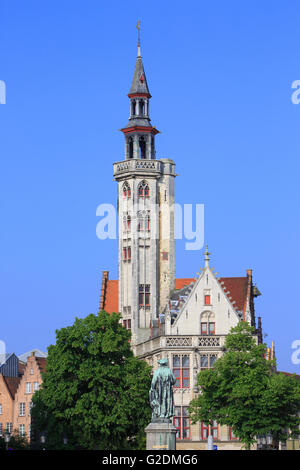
(220, 74)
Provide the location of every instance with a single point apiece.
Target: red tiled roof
(180, 283)
(111, 293)
(237, 286)
(42, 362)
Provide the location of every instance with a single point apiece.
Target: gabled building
(185, 320)
(18, 382)
(30, 382)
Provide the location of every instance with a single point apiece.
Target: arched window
(207, 324)
(143, 189)
(126, 190)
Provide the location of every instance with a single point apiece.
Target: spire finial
(206, 257)
(139, 38)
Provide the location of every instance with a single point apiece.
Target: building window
(207, 300)
(0, 408)
(1, 429)
(165, 255)
(181, 371)
(35, 386)
(127, 324)
(182, 422)
(22, 429)
(127, 223)
(126, 190)
(31, 371)
(28, 387)
(21, 409)
(8, 428)
(144, 295)
(207, 361)
(143, 190)
(143, 222)
(208, 328)
(127, 253)
(209, 430)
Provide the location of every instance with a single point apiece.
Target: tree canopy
(244, 392)
(94, 391)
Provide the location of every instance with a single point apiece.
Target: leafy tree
(94, 392)
(243, 391)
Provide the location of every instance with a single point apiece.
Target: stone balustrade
(136, 165)
(194, 342)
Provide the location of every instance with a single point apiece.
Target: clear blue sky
(220, 74)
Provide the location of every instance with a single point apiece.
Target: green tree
(243, 391)
(94, 392)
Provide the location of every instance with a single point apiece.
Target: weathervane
(139, 37)
(206, 256)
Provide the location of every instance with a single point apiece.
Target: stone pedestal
(161, 435)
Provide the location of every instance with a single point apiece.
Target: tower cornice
(132, 129)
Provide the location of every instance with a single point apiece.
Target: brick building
(18, 382)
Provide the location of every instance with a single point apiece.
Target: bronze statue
(161, 392)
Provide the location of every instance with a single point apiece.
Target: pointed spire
(139, 82)
(206, 257)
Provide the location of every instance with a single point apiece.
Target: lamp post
(43, 440)
(7, 438)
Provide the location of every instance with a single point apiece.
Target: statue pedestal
(161, 435)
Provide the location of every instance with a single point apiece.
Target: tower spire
(139, 38)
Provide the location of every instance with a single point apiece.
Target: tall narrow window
(127, 324)
(127, 253)
(144, 295)
(142, 107)
(130, 147)
(142, 147)
(207, 300)
(133, 107)
(126, 190)
(21, 409)
(181, 371)
(182, 422)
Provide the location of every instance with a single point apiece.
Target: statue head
(163, 362)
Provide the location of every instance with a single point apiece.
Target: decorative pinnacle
(206, 256)
(139, 38)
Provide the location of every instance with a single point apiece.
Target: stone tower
(146, 218)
